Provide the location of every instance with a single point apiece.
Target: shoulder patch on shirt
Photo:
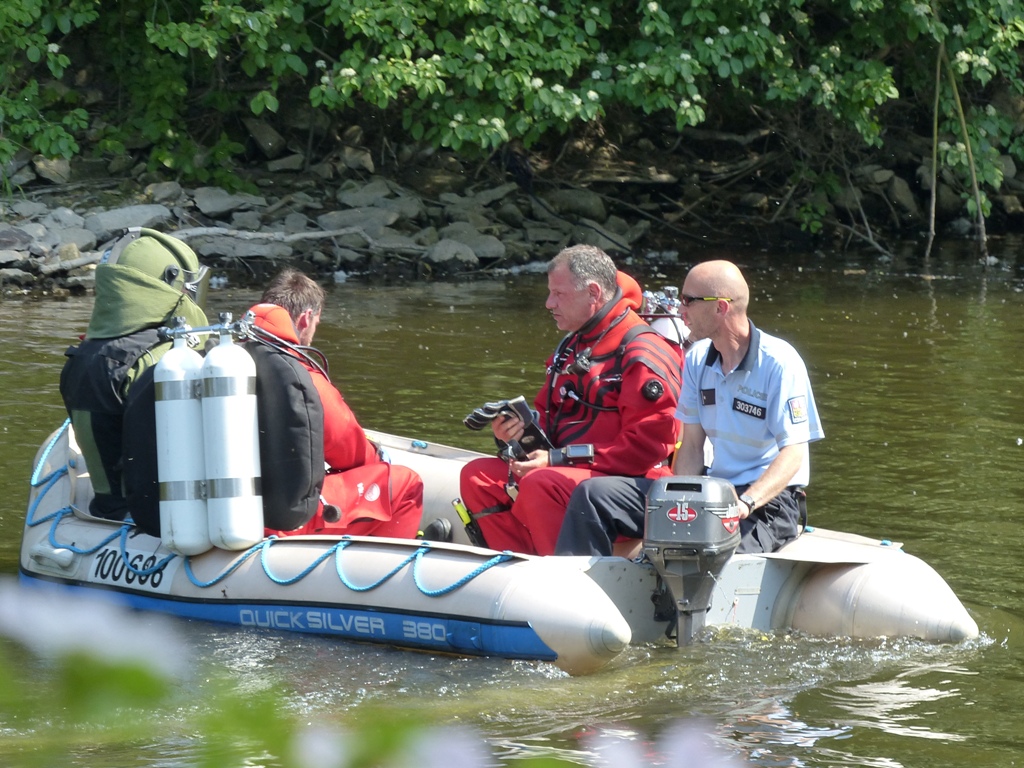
(797, 409)
(653, 390)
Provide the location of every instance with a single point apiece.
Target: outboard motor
(691, 529)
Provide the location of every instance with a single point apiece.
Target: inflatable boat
(578, 613)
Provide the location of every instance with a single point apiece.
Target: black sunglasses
(688, 300)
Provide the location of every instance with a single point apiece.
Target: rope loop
(355, 588)
(265, 548)
(45, 455)
(223, 574)
(140, 571)
(496, 560)
(52, 536)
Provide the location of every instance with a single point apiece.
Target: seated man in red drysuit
(613, 382)
(374, 498)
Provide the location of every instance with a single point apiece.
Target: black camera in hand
(571, 455)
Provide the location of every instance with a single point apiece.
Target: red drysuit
(624, 405)
(375, 498)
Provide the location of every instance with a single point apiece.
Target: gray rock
(347, 257)
(9, 257)
(356, 195)
(1009, 167)
(23, 176)
(1011, 205)
(296, 222)
(163, 191)
(451, 250)
(408, 207)
(82, 238)
(62, 217)
(577, 202)
(289, 163)
(543, 234)
(57, 170)
(39, 233)
(469, 214)
(68, 251)
(371, 220)
(488, 196)
(484, 246)
(357, 159)
(233, 247)
(397, 243)
(427, 236)
(246, 220)
(902, 196)
(20, 160)
(270, 142)
(511, 214)
(215, 202)
(592, 233)
(16, 276)
(120, 165)
(106, 223)
(14, 238)
(847, 198)
(28, 209)
(948, 203)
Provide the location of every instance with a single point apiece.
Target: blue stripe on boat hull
(426, 631)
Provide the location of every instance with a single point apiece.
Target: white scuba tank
(671, 327)
(234, 497)
(180, 457)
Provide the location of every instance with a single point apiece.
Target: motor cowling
(181, 457)
(231, 443)
(691, 529)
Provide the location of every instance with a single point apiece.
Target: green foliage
(33, 114)
(472, 76)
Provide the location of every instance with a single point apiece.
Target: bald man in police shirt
(746, 391)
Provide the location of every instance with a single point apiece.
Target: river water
(915, 366)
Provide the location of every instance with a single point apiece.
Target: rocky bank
(429, 215)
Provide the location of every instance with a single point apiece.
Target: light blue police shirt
(762, 406)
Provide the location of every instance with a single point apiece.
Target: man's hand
(508, 428)
(536, 460)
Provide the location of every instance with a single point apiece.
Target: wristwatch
(749, 500)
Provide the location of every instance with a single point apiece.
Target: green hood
(129, 300)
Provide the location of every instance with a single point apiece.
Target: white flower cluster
(966, 59)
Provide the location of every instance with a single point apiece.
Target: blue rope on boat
(52, 536)
(344, 579)
(223, 574)
(46, 452)
(140, 571)
(51, 480)
(263, 547)
(277, 580)
(496, 560)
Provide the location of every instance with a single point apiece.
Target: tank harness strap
(619, 353)
(311, 355)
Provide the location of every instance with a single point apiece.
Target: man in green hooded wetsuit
(145, 280)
